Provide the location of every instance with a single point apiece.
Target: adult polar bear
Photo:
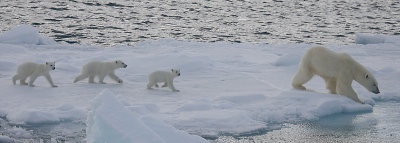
(337, 69)
(100, 69)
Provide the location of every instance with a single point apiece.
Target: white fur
(163, 76)
(34, 70)
(100, 69)
(337, 69)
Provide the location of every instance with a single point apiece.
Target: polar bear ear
(366, 76)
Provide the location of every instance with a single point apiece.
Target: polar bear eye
(366, 76)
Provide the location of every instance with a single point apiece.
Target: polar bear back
(29, 68)
(327, 63)
(97, 67)
(160, 76)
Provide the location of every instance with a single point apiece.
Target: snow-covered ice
(226, 88)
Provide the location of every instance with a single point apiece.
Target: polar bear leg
(32, 79)
(15, 78)
(101, 79)
(172, 87)
(165, 84)
(48, 77)
(115, 77)
(344, 88)
(91, 78)
(150, 84)
(301, 77)
(22, 81)
(331, 85)
(80, 77)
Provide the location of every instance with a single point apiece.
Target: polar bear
(34, 70)
(100, 69)
(337, 69)
(163, 76)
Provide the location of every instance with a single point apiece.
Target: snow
(225, 88)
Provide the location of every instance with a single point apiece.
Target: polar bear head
(120, 64)
(175, 72)
(51, 65)
(369, 82)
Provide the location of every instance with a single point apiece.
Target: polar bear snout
(54, 68)
(376, 91)
(124, 65)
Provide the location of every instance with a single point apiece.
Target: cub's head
(370, 83)
(176, 72)
(120, 64)
(51, 65)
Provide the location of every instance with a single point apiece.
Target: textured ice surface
(110, 121)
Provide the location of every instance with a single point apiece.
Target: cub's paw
(120, 81)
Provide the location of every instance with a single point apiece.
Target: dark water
(380, 126)
(124, 22)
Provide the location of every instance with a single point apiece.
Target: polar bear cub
(337, 69)
(163, 76)
(100, 69)
(34, 70)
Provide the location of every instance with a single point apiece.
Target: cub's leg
(48, 77)
(91, 78)
(150, 84)
(115, 77)
(23, 81)
(15, 78)
(101, 79)
(172, 87)
(165, 84)
(32, 79)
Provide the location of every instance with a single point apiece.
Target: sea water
(121, 22)
(111, 23)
